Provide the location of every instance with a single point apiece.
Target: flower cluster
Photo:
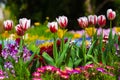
(67, 72)
(23, 25)
(62, 21)
(93, 19)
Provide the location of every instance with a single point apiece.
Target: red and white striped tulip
(8, 24)
(101, 20)
(111, 14)
(83, 22)
(53, 26)
(19, 30)
(92, 19)
(24, 23)
(62, 21)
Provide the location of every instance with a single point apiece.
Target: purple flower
(8, 65)
(10, 50)
(26, 54)
(101, 70)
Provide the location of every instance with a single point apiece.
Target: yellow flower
(37, 23)
(42, 38)
(47, 30)
(90, 31)
(47, 18)
(61, 32)
(117, 29)
(87, 42)
(76, 35)
(46, 44)
(5, 34)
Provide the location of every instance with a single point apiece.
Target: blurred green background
(40, 10)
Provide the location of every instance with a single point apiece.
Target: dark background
(38, 10)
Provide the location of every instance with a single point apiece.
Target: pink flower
(92, 19)
(19, 30)
(41, 70)
(8, 24)
(101, 20)
(24, 23)
(62, 21)
(36, 79)
(36, 74)
(2, 77)
(83, 22)
(53, 26)
(111, 14)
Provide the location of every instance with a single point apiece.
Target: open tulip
(92, 19)
(19, 30)
(101, 20)
(8, 24)
(83, 22)
(111, 14)
(62, 21)
(53, 26)
(24, 23)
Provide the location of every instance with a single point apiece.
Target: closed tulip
(101, 20)
(24, 23)
(62, 21)
(19, 30)
(111, 14)
(83, 22)
(8, 24)
(92, 19)
(53, 26)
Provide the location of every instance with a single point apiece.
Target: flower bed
(90, 54)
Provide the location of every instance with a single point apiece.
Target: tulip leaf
(48, 59)
(77, 62)
(62, 55)
(70, 63)
(91, 48)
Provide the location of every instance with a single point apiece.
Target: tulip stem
(55, 54)
(110, 25)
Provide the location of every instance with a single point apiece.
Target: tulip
(24, 23)
(19, 30)
(62, 21)
(8, 24)
(111, 14)
(83, 22)
(53, 26)
(101, 20)
(92, 19)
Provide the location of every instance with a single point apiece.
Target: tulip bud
(19, 30)
(101, 20)
(62, 21)
(111, 14)
(24, 23)
(8, 24)
(92, 19)
(53, 26)
(83, 22)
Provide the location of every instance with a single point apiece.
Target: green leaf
(70, 63)
(90, 56)
(91, 48)
(62, 55)
(48, 59)
(77, 62)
